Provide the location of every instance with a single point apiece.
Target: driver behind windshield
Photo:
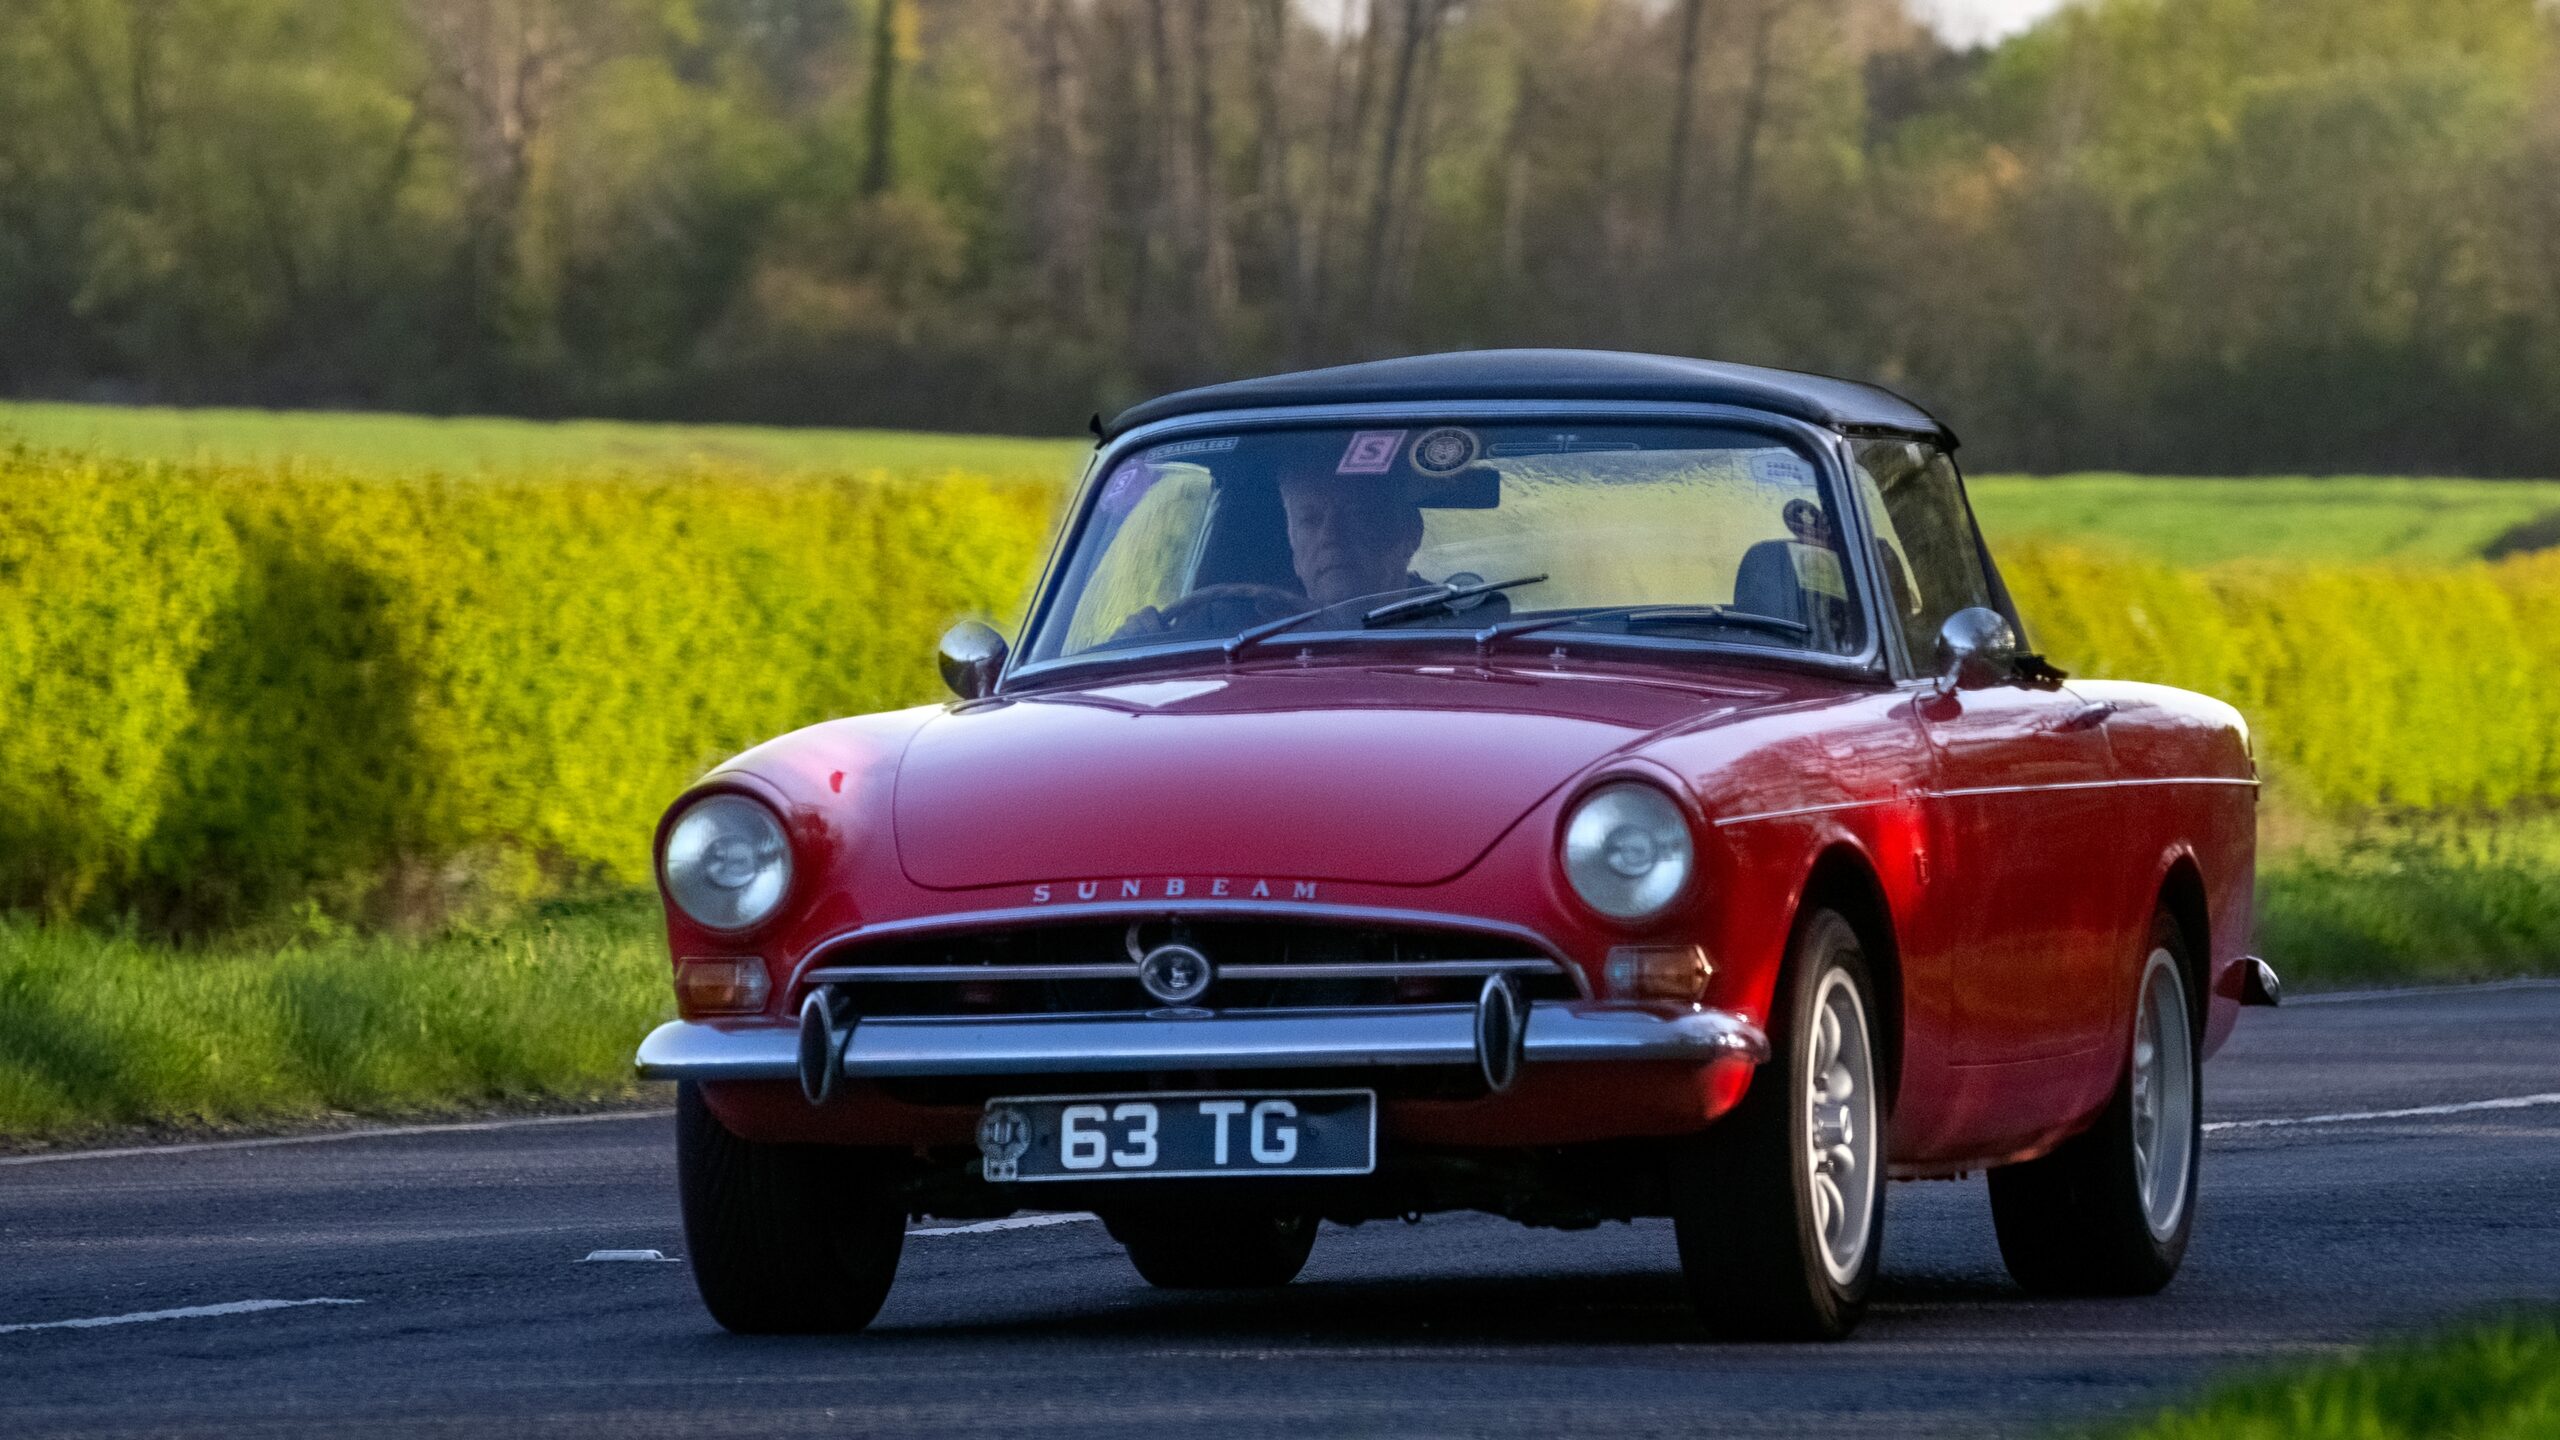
(1350, 536)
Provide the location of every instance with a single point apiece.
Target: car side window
(1927, 548)
(1157, 516)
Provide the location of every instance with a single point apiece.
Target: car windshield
(1684, 531)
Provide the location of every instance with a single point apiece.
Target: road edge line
(2420, 992)
(385, 1132)
(2413, 1112)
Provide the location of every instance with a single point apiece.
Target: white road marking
(183, 1312)
(387, 1132)
(636, 1257)
(2415, 992)
(2414, 1112)
(1019, 1222)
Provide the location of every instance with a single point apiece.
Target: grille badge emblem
(1175, 973)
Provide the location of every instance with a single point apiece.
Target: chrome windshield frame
(1825, 447)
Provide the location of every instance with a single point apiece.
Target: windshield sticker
(1127, 487)
(1780, 467)
(1179, 448)
(1372, 452)
(1446, 451)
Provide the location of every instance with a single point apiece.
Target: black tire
(784, 1239)
(2082, 1220)
(1754, 1250)
(1217, 1249)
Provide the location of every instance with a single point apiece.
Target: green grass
(2187, 521)
(299, 1020)
(476, 444)
(2493, 1381)
(2380, 902)
(100, 1032)
(2192, 522)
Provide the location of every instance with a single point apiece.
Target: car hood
(1400, 776)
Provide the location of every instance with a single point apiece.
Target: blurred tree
(2192, 234)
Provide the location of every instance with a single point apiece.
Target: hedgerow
(231, 688)
(227, 689)
(2368, 687)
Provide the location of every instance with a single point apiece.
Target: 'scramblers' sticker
(1445, 451)
(1126, 487)
(1371, 452)
(1780, 468)
(1818, 570)
(1180, 448)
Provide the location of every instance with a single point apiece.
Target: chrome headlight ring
(727, 862)
(1628, 851)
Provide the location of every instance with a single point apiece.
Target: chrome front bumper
(1406, 1035)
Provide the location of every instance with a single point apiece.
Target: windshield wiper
(1492, 635)
(1253, 635)
(1402, 601)
(1450, 595)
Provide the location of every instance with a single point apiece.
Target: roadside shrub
(111, 574)
(2367, 687)
(232, 688)
(411, 698)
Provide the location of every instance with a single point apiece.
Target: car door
(2021, 857)
(2020, 819)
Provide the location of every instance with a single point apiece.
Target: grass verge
(2412, 903)
(468, 445)
(104, 1032)
(101, 1033)
(2498, 1380)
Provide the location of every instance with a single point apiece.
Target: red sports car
(1568, 785)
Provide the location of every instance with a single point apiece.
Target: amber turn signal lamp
(1657, 972)
(722, 986)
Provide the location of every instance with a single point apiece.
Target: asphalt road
(474, 1313)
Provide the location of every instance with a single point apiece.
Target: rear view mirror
(1975, 648)
(972, 657)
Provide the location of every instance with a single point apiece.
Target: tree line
(2196, 235)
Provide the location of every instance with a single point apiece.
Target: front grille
(1260, 965)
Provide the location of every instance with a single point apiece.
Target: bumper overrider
(1497, 1035)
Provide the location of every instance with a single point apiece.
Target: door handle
(2090, 717)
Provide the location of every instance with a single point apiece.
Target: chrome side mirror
(1975, 648)
(972, 657)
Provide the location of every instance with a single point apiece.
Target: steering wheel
(1216, 609)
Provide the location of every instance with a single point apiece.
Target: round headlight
(1627, 851)
(727, 862)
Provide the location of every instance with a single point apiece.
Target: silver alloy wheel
(1841, 1134)
(2164, 1095)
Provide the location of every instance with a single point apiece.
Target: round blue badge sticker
(1445, 451)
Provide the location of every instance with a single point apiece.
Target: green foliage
(100, 1029)
(2190, 235)
(2193, 523)
(409, 695)
(482, 445)
(2494, 1381)
(2368, 687)
(250, 686)
(111, 579)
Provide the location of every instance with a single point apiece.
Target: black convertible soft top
(1555, 375)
